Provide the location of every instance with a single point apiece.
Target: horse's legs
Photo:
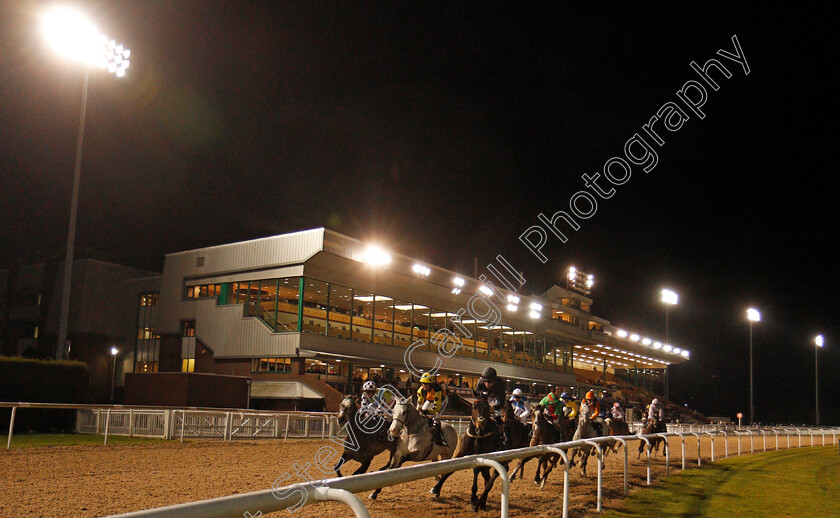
(520, 469)
(474, 495)
(488, 485)
(396, 462)
(436, 490)
(364, 467)
(551, 462)
(340, 463)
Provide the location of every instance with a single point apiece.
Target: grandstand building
(308, 316)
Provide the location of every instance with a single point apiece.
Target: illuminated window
(188, 365)
(146, 333)
(149, 299)
(189, 328)
(203, 291)
(272, 365)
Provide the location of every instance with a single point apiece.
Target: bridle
(405, 424)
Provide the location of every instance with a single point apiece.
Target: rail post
(626, 461)
(711, 435)
(682, 438)
(751, 441)
(725, 444)
(131, 422)
(505, 481)
(286, 433)
(667, 454)
(698, 447)
(647, 450)
(183, 422)
(341, 495)
(107, 424)
(600, 469)
(566, 468)
(11, 427)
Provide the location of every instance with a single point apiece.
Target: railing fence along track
(342, 489)
(229, 423)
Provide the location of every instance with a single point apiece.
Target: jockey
(571, 409)
(377, 401)
(429, 403)
(490, 388)
(594, 412)
(551, 403)
(617, 412)
(657, 410)
(521, 408)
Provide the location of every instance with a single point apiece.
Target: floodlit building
(306, 317)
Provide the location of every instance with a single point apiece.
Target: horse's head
(480, 414)
(346, 409)
(583, 414)
(400, 415)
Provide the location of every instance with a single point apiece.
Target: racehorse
(517, 432)
(616, 427)
(585, 430)
(415, 438)
(364, 442)
(653, 426)
(482, 436)
(544, 433)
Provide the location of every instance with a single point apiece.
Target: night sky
(441, 131)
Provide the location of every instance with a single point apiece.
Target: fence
(342, 489)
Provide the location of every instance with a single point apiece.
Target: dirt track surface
(88, 481)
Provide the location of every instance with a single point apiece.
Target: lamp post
(75, 38)
(114, 352)
(818, 341)
(753, 316)
(669, 298)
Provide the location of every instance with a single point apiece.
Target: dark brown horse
(482, 436)
(367, 436)
(653, 426)
(517, 432)
(544, 432)
(616, 427)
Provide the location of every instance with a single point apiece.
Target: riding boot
(439, 439)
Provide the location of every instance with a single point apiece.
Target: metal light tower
(75, 38)
(818, 341)
(669, 298)
(114, 352)
(753, 316)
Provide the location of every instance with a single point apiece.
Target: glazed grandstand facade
(315, 310)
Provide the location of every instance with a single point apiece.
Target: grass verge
(795, 482)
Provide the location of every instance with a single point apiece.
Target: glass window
(288, 289)
(362, 315)
(529, 353)
(315, 306)
(437, 321)
(189, 328)
(482, 340)
(272, 365)
(466, 332)
(496, 343)
(507, 344)
(402, 324)
(420, 325)
(340, 309)
(188, 365)
(268, 302)
(519, 346)
(383, 320)
(539, 351)
(149, 299)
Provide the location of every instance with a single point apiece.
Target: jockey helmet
(590, 395)
(616, 405)
(369, 385)
(427, 377)
(517, 392)
(565, 395)
(489, 373)
(655, 401)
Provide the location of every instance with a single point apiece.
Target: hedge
(42, 381)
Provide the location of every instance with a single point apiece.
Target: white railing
(342, 489)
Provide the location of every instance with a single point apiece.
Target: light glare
(753, 315)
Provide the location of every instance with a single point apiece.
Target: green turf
(70, 439)
(798, 482)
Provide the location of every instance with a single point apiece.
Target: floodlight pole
(62, 349)
(751, 376)
(816, 385)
